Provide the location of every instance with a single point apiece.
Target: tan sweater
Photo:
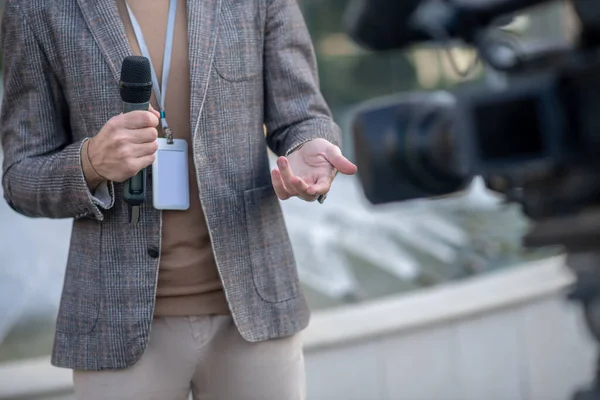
(188, 280)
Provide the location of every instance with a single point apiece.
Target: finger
(145, 149)
(300, 187)
(153, 111)
(294, 184)
(339, 162)
(322, 186)
(284, 169)
(279, 186)
(139, 120)
(308, 198)
(144, 135)
(145, 161)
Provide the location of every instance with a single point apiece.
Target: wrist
(298, 146)
(92, 177)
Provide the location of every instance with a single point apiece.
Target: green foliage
(346, 80)
(349, 75)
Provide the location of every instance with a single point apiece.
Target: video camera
(535, 139)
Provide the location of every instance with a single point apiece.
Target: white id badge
(170, 184)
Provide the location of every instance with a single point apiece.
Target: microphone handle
(129, 107)
(134, 192)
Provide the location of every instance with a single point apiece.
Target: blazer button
(153, 252)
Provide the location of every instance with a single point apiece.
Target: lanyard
(159, 91)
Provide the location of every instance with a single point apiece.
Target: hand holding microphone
(127, 142)
(125, 145)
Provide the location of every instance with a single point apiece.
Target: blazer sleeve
(42, 171)
(295, 110)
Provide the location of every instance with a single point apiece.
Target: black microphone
(136, 89)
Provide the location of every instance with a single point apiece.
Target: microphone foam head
(136, 80)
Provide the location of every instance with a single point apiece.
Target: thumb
(339, 162)
(153, 111)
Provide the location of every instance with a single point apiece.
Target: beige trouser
(204, 356)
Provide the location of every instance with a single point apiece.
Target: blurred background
(431, 299)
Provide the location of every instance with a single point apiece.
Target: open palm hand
(309, 171)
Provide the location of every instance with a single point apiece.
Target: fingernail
(284, 163)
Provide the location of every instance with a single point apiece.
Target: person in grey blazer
(251, 65)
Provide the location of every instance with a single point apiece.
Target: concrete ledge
(451, 302)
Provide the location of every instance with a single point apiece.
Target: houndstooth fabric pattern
(251, 63)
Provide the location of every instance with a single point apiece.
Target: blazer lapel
(104, 21)
(203, 24)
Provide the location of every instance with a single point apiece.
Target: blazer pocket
(272, 258)
(238, 53)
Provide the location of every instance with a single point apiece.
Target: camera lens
(405, 148)
(429, 152)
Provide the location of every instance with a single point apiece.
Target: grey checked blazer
(251, 63)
